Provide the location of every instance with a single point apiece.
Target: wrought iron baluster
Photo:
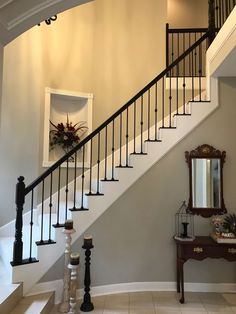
(127, 137)
(163, 103)
(200, 73)
(195, 57)
(189, 56)
(184, 81)
(141, 126)
(135, 127)
(226, 9)
(67, 190)
(57, 225)
(220, 14)
(105, 174)
(113, 149)
(120, 140)
(156, 117)
(75, 179)
(170, 101)
(82, 180)
(91, 166)
(50, 211)
(167, 45)
(217, 14)
(223, 12)
(98, 167)
(172, 51)
(149, 114)
(177, 89)
(42, 212)
(31, 225)
(178, 46)
(192, 76)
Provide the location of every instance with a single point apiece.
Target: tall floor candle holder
(73, 266)
(68, 231)
(87, 305)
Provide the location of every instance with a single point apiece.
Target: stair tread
(33, 304)
(6, 290)
(10, 295)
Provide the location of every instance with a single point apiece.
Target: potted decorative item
(66, 135)
(184, 224)
(217, 222)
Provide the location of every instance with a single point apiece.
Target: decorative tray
(221, 239)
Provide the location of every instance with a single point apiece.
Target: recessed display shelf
(58, 105)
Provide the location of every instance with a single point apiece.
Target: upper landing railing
(180, 39)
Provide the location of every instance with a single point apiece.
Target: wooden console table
(199, 249)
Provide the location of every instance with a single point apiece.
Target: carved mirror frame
(209, 152)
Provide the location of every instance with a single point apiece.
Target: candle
(69, 224)
(74, 258)
(88, 242)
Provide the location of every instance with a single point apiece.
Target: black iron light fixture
(50, 20)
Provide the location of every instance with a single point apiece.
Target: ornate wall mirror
(206, 181)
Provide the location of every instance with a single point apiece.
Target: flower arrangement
(217, 222)
(66, 135)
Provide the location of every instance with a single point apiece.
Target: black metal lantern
(184, 224)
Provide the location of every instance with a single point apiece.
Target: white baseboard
(57, 286)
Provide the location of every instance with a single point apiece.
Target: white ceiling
(17, 16)
(3, 3)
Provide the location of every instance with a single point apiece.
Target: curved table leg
(178, 275)
(181, 274)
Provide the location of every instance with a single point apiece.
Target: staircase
(13, 302)
(121, 150)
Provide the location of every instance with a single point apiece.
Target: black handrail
(187, 30)
(31, 186)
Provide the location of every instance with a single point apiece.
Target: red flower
(67, 135)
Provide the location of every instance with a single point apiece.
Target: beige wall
(129, 43)
(134, 238)
(58, 57)
(106, 47)
(1, 74)
(187, 13)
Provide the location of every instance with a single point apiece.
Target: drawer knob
(232, 251)
(198, 250)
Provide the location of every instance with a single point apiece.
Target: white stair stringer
(49, 254)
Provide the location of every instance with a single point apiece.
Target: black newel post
(211, 21)
(87, 305)
(18, 244)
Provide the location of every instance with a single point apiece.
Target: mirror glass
(206, 183)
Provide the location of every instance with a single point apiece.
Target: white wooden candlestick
(73, 266)
(64, 307)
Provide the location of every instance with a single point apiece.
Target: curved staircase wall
(133, 238)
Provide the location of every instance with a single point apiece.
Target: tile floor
(163, 303)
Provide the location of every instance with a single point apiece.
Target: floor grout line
(165, 302)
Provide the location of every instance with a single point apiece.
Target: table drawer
(201, 252)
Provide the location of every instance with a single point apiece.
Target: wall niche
(59, 104)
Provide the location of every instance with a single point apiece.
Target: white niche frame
(58, 103)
